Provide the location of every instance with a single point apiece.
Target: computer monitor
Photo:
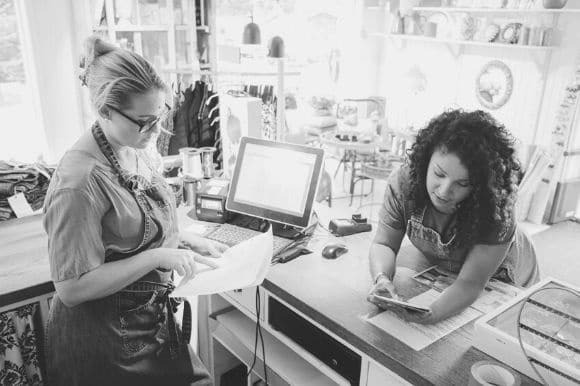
(275, 181)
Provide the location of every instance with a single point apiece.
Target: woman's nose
(444, 190)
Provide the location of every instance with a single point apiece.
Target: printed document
(419, 336)
(495, 294)
(243, 265)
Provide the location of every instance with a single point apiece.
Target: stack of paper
(243, 265)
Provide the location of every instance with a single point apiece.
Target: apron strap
(174, 342)
(133, 182)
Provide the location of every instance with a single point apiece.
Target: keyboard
(231, 235)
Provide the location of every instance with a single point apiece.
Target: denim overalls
(519, 266)
(130, 337)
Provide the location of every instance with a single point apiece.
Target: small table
(351, 149)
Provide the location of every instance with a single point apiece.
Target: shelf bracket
(540, 58)
(455, 49)
(399, 43)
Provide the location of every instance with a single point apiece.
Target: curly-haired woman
(455, 200)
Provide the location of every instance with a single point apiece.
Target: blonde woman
(113, 241)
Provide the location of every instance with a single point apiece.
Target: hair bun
(94, 47)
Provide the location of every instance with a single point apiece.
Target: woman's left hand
(202, 245)
(415, 316)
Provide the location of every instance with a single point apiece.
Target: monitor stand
(285, 231)
(258, 224)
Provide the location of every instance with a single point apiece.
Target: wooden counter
(330, 292)
(24, 268)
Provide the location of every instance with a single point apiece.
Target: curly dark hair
(486, 149)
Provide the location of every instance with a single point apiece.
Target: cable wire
(255, 339)
(262, 339)
(258, 335)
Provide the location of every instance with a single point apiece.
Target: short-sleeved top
(89, 215)
(398, 208)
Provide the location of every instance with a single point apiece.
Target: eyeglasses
(146, 125)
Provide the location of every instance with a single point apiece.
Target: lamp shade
(251, 34)
(276, 47)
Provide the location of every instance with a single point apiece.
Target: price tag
(20, 206)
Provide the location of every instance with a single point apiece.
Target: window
(310, 30)
(22, 136)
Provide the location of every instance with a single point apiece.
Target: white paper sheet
(495, 294)
(418, 336)
(243, 265)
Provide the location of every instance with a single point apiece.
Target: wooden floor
(558, 251)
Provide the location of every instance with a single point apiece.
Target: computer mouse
(332, 251)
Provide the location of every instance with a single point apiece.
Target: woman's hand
(202, 245)
(212, 248)
(383, 287)
(183, 261)
(420, 317)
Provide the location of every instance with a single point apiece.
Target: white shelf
(497, 10)
(236, 332)
(140, 28)
(185, 27)
(463, 42)
(188, 70)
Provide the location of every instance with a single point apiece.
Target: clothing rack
(195, 118)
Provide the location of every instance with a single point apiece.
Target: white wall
(55, 59)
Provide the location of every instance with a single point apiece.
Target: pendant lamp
(276, 50)
(251, 33)
(276, 47)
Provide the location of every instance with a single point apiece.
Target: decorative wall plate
(491, 32)
(494, 84)
(510, 33)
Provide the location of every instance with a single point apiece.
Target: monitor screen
(275, 181)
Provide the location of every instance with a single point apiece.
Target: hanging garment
(30, 179)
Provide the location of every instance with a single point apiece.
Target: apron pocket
(130, 301)
(140, 319)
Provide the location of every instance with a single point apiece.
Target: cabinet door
(380, 376)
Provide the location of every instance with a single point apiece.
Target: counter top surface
(333, 293)
(330, 292)
(24, 268)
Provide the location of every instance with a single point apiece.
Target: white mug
(430, 29)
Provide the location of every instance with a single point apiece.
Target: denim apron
(518, 267)
(130, 337)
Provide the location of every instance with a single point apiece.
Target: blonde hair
(113, 75)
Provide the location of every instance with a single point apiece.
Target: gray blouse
(88, 215)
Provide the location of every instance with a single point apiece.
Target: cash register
(273, 184)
